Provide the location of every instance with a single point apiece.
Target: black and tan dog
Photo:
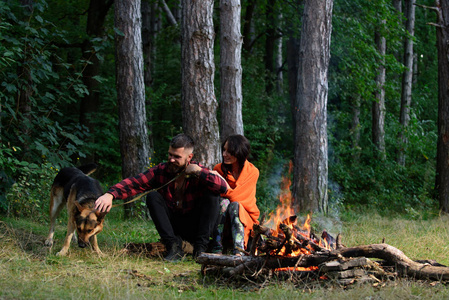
(74, 187)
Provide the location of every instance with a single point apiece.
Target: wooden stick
(256, 238)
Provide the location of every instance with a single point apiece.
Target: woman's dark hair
(238, 146)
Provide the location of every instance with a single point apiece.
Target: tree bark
(199, 105)
(293, 62)
(26, 87)
(134, 145)
(230, 68)
(269, 45)
(355, 127)
(442, 177)
(378, 106)
(278, 65)
(169, 14)
(311, 145)
(397, 4)
(407, 81)
(247, 23)
(148, 37)
(292, 50)
(90, 103)
(147, 41)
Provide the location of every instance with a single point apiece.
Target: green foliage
(8, 165)
(41, 66)
(268, 127)
(36, 85)
(360, 179)
(164, 95)
(386, 185)
(29, 196)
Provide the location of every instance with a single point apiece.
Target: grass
(29, 271)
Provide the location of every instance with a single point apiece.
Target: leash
(147, 192)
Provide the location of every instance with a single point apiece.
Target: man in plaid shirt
(185, 209)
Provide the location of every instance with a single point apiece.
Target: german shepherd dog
(74, 187)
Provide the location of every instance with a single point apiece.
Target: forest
(60, 100)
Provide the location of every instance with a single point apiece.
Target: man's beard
(172, 168)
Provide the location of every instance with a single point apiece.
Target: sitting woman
(238, 207)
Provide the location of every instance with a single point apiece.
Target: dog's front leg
(94, 243)
(70, 231)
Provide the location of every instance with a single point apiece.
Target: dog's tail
(88, 168)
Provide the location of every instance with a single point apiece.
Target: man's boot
(198, 249)
(174, 252)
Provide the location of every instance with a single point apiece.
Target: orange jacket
(243, 191)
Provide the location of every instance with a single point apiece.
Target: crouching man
(185, 209)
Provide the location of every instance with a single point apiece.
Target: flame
(285, 214)
(285, 207)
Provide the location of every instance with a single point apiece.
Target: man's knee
(154, 199)
(210, 200)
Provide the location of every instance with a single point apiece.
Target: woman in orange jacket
(238, 207)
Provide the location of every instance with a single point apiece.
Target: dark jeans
(195, 226)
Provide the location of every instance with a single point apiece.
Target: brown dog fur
(73, 187)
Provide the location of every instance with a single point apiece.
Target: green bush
(29, 196)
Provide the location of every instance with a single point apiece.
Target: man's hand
(193, 169)
(219, 175)
(104, 203)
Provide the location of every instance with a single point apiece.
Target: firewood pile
(294, 252)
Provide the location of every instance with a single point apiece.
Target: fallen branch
(391, 255)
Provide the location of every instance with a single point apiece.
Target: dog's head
(89, 222)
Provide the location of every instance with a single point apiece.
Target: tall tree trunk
(378, 106)
(292, 51)
(199, 105)
(293, 66)
(442, 177)
(355, 128)
(134, 145)
(310, 179)
(397, 4)
(278, 64)
(177, 10)
(147, 49)
(155, 28)
(230, 68)
(247, 24)
(269, 45)
(90, 103)
(147, 41)
(407, 81)
(25, 91)
(171, 19)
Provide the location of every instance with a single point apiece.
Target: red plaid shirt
(158, 176)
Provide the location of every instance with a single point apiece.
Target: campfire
(283, 245)
(282, 235)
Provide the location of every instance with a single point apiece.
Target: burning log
(338, 258)
(269, 262)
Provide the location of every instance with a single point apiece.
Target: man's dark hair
(182, 141)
